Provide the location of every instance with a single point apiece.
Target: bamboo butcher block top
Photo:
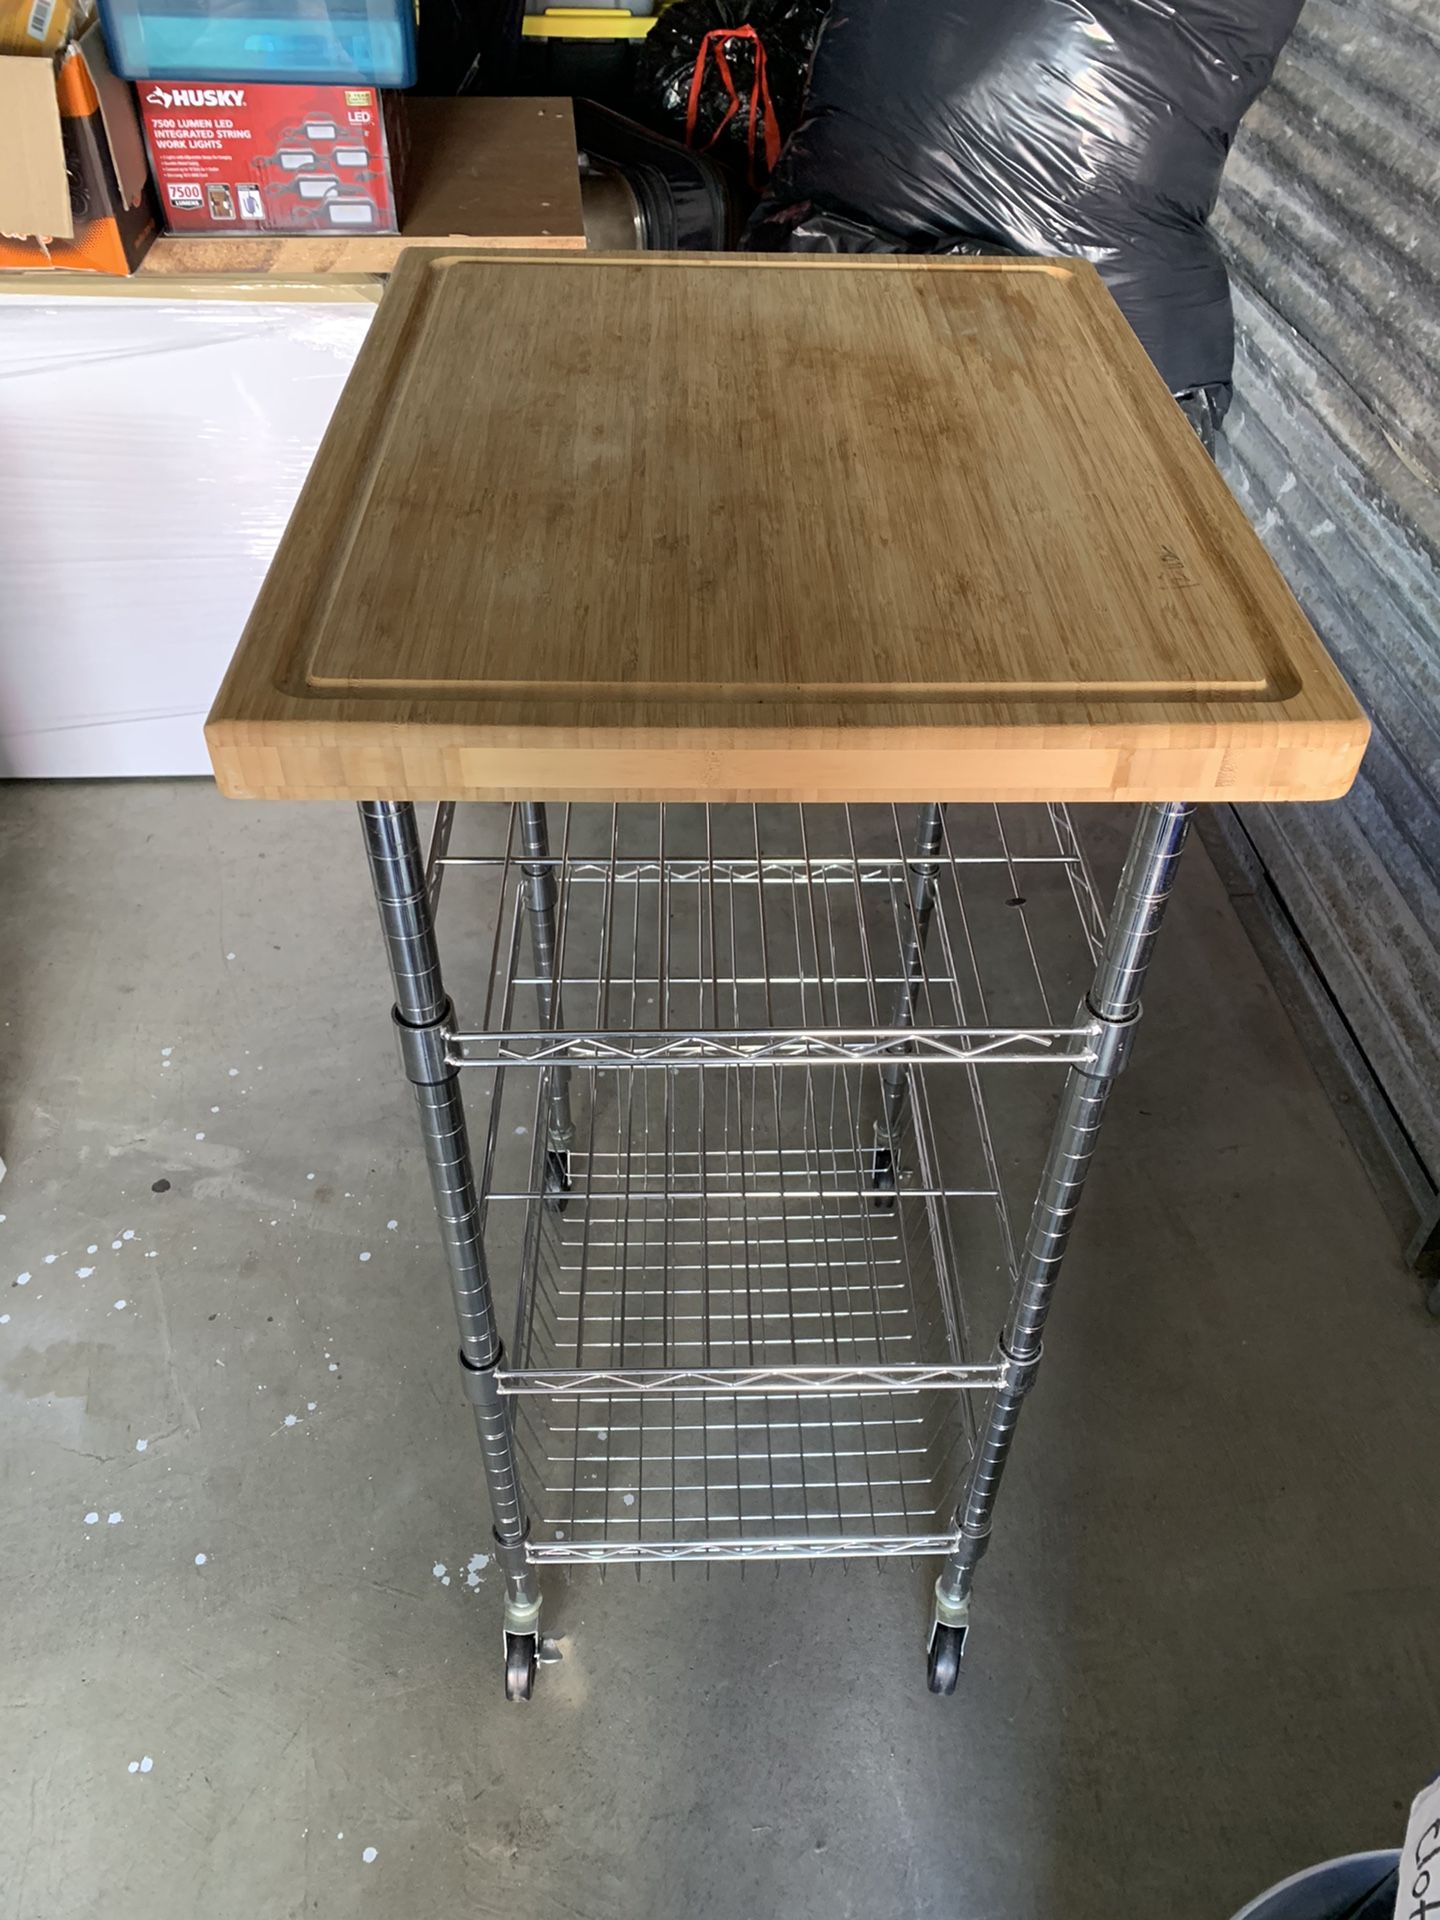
(770, 528)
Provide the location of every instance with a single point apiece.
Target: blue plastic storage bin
(323, 42)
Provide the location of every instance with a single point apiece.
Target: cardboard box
(35, 26)
(73, 182)
(254, 158)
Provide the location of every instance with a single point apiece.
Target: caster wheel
(557, 1180)
(942, 1667)
(521, 1657)
(882, 1176)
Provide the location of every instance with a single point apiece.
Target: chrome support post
(895, 1079)
(540, 897)
(1111, 1008)
(422, 1015)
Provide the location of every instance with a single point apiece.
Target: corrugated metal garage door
(1329, 217)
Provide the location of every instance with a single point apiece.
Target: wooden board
(481, 172)
(769, 527)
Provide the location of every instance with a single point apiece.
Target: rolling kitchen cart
(784, 605)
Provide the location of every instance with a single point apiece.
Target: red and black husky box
(243, 158)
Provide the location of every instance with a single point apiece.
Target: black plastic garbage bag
(728, 76)
(821, 232)
(1096, 128)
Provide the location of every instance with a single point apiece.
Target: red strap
(714, 42)
(762, 108)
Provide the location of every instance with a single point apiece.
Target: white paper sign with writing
(1418, 1894)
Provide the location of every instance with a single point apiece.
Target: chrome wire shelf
(731, 1343)
(757, 1477)
(690, 935)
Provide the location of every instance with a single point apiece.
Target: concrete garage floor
(1205, 1650)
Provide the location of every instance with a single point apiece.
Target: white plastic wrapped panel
(150, 453)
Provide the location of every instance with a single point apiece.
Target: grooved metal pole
(422, 1013)
(929, 837)
(540, 894)
(1113, 1002)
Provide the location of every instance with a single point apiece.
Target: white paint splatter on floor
(120, 1306)
(128, 1234)
(200, 1559)
(310, 1406)
(475, 1566)
(91, 1518)
(22, 1279)
(438, 1569)
(290, 1419)
(165, 1052)
(364, 1256)
(51, 1258)
(392, 1225)
(83, 1273)
(369, 1856)
(94, 1249)
(4, 1319)
(141, 1445)
(113, 1519)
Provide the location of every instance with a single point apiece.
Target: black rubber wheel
(521, 1659)
(942, 1667)
(882, 1176)
(557, 1179)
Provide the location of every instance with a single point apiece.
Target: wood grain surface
(480, 172)
(770, 528)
